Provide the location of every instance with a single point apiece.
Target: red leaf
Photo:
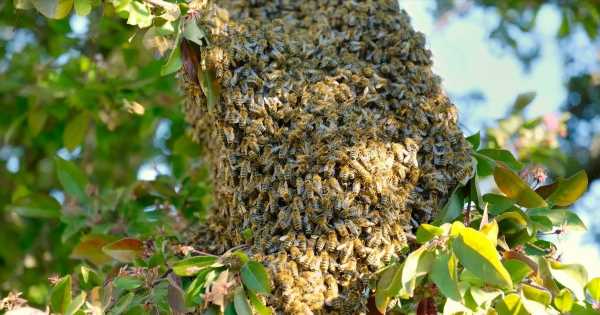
(125, 250)
(426, 307)
(90, 248)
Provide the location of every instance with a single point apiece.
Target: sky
(468, 61)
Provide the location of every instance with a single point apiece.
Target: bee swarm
(330, 134)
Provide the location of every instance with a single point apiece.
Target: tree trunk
(328, 136)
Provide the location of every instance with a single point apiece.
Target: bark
(330, 140)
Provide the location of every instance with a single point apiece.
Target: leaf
(76, 304)
(490, 231)
(475, 140)
(535, 294)
(426, 307)
(72, 179)
(485, 164)
(443, 274)
(416, 265)
(37, 206)
(36, 119)
(123, 303)
(210, 87)
(515, 188)
(193, 265)
(60, 295)
(483, 296)
(193, 33)
(453, 208)
(497, 203)
(139, 14)
(255, 277)
(176, 296)
(53, 9)
(517, 269)
(593, 288)
(477, 254)
(545, 275)
(75, 131)
(127, 283)
(503, 156)
(560, 217)
(427, 232)
(194, 290)
(564, 300)
(569, 190)
(219, 289)
(388, 285)
(258, 306)
(240, 301)
(90, 248)
(124, 250)
(173, 63)
(83, 7)
(522, 101)
(585, 309)
(572, 276)
(230, 309)
(511, 305)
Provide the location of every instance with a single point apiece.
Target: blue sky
(468, 61)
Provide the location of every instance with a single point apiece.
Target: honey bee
(229, 135)
(352, 227)
(320, 244)
(332, 241)
(334, 185)
(332, 291)
(324, 261)
(341, 228)
(301, 242)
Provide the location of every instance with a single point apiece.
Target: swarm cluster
(330, 139)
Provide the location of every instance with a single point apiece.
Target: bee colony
(330, 139)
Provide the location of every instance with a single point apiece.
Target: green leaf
(123, 303)
(522, 101)
(515, 188)
(443, 274)
(258, 306)
(90, 248)
(36, 119)
(193, 33)
(390, 281)
(76, 304)
(485, 164)
(564, 300)
(75, 131)
(483, 296)
(240, 301)
(83, 7)
(511, 305)
(475, 140)
(453, 207)
(564, 28)
(535, 294)
(497, 203)
(583, 309)
(173, 63)
(230, 309)
(37, 206)
(416, 265)
(517, 269)
(477, 254)
(193, 293)
(127, 283)
(593, 288)
(139, 14)
(255, 277)
(53, 9)
(512, 222)
(560, 217)
(569, 190)
(71, 178)
(545, 275)
(193, 265)
(427, 232)
(210, 87)
(124, 250)
(89, 278)
(572, 276)
(60, 295)
(503, 156)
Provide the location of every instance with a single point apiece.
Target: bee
(345, 249)
(295, 252)
(341, 228)
(349, 267)
(324, 261)
(317, 184)
(362, 171)
(334, 185)
(375, 240)
(245, 169)
(307, 260)
(332, 241)
(288, 240)
(229, 135)
(332, 291)
(299, 186)
(320, 244)
(296, 220)
(374, 259)
(352, 227)
(301, 242)
(346, 173)
(283, 220)
(283, 191)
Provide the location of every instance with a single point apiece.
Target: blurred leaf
(60, 296)
(53, 9)
(426, 232)
(564, 300)
(75, 131)
(127, 283)
(477, 254)
(515, 188)
(502, 156)
(230, 309)
(416, 265)
(36, 119)
(485, 164)
(194, 290)
(176, 296)
(122, 303)
(388, 285)
(569, 190)
(83, 7)
(240, 301)
(560, 217)
(511, 305)
(535, 294)
(443, 274)
(475, 140)
(193, 33)
(522, 101)
(72, 179)
(546, 190)
(255, 277)
(453, 207)
(564, 28)
(193, 265)
(572, 276)
(124, 250)
(90, 248)
(517, 269)
(37, 206)
(258, 306)
(89, 278)
(593, 288)
(210, 87)
(173, 63)
(76, 304)
(497, 203)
